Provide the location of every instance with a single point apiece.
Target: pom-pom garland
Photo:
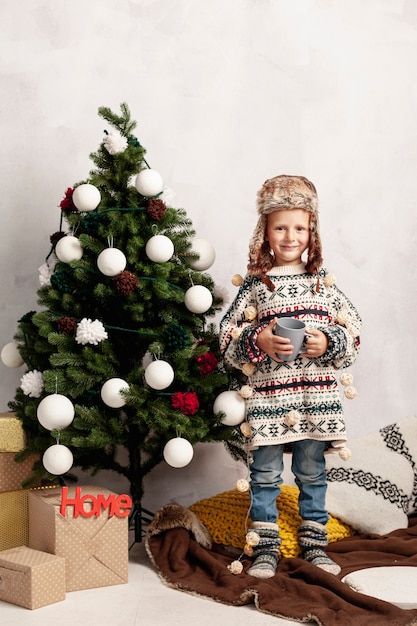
(246, 391)
(186, 402)
(245, 429)
(235, 567)
(156, 209)
(63, 282)
(292, 417)
(351, 392)
(115, 143)
(236, 332)
(67, 325)
(89, 331)
(67, 205)
(250, 313)
(125, 283)
(346, 379)
(55, 237)
(45, 273)
(242, 485)
(175, 337)
(207, 363)
(329, 280)
(249, 369)
(32, 384)
(237, 280)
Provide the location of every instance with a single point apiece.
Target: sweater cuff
(337, 343)
(249, 350)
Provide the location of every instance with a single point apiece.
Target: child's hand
(272, 344)
(317, 344)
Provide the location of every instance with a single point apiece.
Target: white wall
(226, 94)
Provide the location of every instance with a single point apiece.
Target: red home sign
(118, 505)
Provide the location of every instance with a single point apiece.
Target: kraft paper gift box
(14, 519)
(12, 436)
(12, 474)
(95, 547)
(31, 578)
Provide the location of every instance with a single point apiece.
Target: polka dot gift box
(93, 538)
(30, 578)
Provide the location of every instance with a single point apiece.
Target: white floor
(143, 601)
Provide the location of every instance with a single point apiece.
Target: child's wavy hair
(282, 193)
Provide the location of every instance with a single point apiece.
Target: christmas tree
(120, 354)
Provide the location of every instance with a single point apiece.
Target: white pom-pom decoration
(55, 411)
(57, 459)
(10, 355)
(159, 374)
(236, 567)
(159, 248)
(149, 183)
(198, 299)
(232, 405)
(206, 252)
(110, 392)
(86, 197)
(111, 261)
(242, 485)
(178, 452)
(245, 429)
(345, 454)
(32, 384)
(69, 249)
(351, 392)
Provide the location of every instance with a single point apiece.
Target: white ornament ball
(55, 411)
(232, 405)
(111, 261)
(86, 197)
(178, 452)
(198, 299)
(69, 249)
(206, 252)
(149, 183)
(110, 392)
(57, 459)
(159, 374)
(10, 355)
(159, 248)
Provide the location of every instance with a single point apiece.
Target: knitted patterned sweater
(306, 386)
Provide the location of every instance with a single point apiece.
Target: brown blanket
(179, 546)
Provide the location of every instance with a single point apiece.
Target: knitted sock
(312, 538)
(266, 553)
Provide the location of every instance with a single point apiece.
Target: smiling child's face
(288, 234)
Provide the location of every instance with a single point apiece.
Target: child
(293, 402)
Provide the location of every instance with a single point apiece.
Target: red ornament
(67, 204)
(186, 401)
(207, 362)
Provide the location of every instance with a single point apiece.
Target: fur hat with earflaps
(284, 193)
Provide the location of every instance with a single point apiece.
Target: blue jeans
(308, 466)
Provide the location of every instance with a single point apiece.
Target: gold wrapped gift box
(12, 436)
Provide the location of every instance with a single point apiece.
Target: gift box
(14, 519)
(94, 544)
(12, 436)
(12, 474)
(31, 578)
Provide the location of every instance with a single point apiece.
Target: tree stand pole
(138, 518)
